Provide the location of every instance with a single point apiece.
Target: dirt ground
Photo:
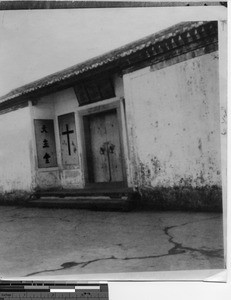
(35, 241)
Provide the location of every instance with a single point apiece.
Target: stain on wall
(47, 179)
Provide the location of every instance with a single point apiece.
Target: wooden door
(104, 148)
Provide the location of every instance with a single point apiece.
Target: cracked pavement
(37, 241)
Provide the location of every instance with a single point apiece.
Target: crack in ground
(71, 264)
(178, 248)
(175, 250)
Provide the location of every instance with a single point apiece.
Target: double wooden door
(103, 147)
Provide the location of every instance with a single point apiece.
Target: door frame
(94, 108)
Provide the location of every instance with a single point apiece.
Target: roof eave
(118, 59)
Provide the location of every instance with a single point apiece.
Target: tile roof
(111, 57)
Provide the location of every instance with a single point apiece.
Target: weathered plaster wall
(65, 102)
(174, 125)
(119, 87)
(15, 151)
(223, 72)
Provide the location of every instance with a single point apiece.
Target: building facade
(145, 116)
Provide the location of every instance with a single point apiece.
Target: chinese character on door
(45, 143)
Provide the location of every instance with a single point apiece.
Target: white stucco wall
(119, 87)
(173, 123)
(15, 151)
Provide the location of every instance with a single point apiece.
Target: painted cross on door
(67, 133)
(68, 140)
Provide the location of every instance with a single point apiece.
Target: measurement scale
(36, 290)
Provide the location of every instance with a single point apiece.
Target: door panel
(104, 149)
(98, 138)
(113, 139)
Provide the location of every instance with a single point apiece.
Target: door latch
(111, 148)
(102, 150)
(107, 147)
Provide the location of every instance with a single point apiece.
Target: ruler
(37, 290)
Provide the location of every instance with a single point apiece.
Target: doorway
(104, 152)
